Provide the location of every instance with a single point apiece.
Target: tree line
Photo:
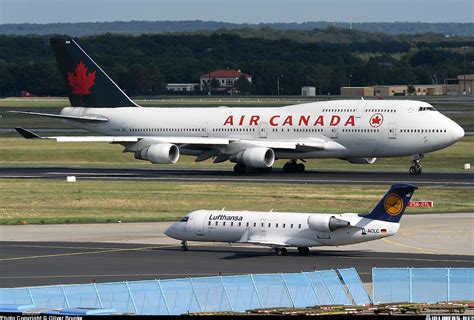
(142, 65)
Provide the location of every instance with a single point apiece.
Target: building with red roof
(225, 78)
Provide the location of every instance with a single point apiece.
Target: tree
(243, 85)
(411, 89)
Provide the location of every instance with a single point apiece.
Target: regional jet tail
(280, 230)
(357, 131)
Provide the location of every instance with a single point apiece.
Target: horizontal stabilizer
(28, 134)
(59, 116)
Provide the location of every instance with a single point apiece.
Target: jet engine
(159, 153)
(255, 157)
(325, 223)
(361, 160)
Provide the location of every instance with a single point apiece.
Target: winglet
(28, 134)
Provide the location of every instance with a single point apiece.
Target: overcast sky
(239, 11)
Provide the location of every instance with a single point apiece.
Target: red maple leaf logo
(376, 120)
(81, 81)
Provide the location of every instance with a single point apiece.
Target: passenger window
(269, 225)
(276, 225)
(255, 224)
(209, 223)
(247, 224)
(299, 226)
(284, 225)
(217, 223)
(291, 226)
(223, 223)
(232, 224)
(240, 224)
(262, 225)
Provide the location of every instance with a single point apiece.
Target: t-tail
(87, 84)
(392, 206)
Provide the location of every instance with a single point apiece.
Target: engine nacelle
(160, 153)
(255, 157)
(361, 160)
(326, 223)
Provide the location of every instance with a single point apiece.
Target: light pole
(350, 76)
(278, 85)
(209, 50)
(464, 49)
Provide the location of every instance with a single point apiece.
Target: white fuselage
(373, 128)
(282, 229)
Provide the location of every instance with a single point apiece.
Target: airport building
(466, 84)
(182, 87)
(226, 79)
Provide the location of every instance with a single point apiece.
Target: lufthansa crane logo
(376, 120)
(393, 204)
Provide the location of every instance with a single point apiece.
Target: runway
(463, 179)
(33, 263)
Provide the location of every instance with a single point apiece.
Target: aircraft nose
(457, 132)
(171, 231)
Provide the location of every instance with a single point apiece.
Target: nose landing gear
(184, 246)
(416, 168)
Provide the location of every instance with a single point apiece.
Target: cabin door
(392, 131)
(199, 224)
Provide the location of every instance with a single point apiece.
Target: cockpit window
(184, 219)
(426, 109)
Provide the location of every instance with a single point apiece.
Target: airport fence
(422, 285)
(203, 294)
(254, 291)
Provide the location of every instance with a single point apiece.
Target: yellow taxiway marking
(85, 252)
(422, 250)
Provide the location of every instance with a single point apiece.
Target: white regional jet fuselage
(302, 230)
(358, 131)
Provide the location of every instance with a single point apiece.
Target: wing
(59, 116)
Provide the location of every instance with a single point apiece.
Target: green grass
(57, 201)
(22, 152)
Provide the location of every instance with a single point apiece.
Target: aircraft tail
(391, 207)
(88, 85)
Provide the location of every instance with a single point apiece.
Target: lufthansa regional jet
(280, 230)
(357, 131)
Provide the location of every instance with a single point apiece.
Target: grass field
(57, 201)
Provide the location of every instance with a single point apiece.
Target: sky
(237, 11)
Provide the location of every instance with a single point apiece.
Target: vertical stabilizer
(86, 83)
(391, 207)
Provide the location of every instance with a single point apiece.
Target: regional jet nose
(171, 231)
(457, 132)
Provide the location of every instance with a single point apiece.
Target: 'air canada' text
(277, 120)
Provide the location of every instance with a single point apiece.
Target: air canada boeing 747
(280, 230)
(358, 131)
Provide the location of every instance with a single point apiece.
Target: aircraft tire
(415, 170)
(239, 168)
(300, 167)
(280, 251)
(303, 251)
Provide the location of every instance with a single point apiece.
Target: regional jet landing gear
(184, 246)
(280, 251)
(292, 166)
(303, 251)
(416, 168)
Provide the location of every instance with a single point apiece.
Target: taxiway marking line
(81, 253)
(422, 250)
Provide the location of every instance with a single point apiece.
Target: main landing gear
(243, 169)
(280, 251)
(303, 251)
(416, 168)
(184, 246)
(292, 166)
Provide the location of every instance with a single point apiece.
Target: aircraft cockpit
(184, 219)
(426, 109)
